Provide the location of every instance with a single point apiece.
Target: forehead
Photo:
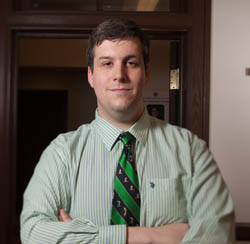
(118, 47)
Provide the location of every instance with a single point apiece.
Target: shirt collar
(109, 133)
(140, 128)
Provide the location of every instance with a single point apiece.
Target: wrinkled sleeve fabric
(47, 192)
(209, 203)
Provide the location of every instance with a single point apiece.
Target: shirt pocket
(165, 201)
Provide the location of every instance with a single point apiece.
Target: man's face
(119, 78)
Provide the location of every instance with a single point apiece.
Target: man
(175, 184)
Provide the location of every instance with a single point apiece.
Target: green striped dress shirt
(179, 182)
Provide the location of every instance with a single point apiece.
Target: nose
(120, 73)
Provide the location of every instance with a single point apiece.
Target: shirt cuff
(115, 234)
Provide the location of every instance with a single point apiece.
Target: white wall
(230, 98)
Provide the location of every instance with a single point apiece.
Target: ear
(90, 77)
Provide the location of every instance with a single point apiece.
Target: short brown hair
(119, 29)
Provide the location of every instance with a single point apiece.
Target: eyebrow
(104, 57)
(131, 56)
(126, 57)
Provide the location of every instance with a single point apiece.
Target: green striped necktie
(126, 199)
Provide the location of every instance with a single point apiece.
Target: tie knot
(126, 138)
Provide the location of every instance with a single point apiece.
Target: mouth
(120, 90)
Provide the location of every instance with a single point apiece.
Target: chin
(127, 111)
(126, 108)
(122, 107)
(122, 110)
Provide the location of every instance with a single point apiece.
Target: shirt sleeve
(210, 206)
(47, 192)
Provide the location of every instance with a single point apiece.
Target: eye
(107, 63)
(132, 64)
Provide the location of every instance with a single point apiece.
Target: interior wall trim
(243, 231)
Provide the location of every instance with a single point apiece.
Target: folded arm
(47, 192)
(209, 203)
(167, 234)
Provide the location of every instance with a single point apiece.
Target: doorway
(54, 95)
(42, 116)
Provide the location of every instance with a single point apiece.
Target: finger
(64, 216)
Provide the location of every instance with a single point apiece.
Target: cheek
(97, 91)
(99, 88)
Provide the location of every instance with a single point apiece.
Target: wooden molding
(243, 231)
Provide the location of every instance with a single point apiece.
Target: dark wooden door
(42, 115)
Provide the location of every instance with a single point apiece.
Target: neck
(120, 122)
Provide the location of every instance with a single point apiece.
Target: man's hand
(167, 234)
(63, 216)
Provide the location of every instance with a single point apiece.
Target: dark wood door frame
(195, 25)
